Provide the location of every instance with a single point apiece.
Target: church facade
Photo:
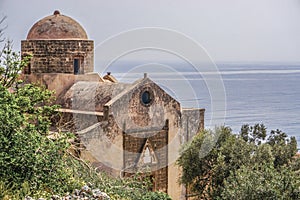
(123, 128)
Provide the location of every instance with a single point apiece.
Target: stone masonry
(58, 56)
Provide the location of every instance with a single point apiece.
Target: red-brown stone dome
(56, 27)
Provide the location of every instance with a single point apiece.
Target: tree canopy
(248, 165)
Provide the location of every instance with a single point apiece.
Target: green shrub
(156, 196)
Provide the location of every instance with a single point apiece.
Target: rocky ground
(84, 193)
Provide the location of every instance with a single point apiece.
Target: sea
(251, 93)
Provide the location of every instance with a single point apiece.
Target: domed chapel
(123, 128)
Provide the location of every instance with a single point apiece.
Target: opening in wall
(76, 66)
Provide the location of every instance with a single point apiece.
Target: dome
(55, 27)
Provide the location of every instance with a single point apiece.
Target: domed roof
(55, 27)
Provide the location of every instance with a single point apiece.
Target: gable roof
(94, 96)
(90, 96)
(128, 89)
(136, 84)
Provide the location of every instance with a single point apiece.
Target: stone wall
(57, 56)
(132, 116)
(192, 121)
(133, 146)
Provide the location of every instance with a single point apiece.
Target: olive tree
(236, 159)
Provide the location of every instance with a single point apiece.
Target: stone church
(123, 128)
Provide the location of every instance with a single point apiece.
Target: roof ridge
(115, 98)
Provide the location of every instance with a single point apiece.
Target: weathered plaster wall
(90, 96)
(192, 121)
(103, 145)
(59, 82)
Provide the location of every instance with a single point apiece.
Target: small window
(146, 98)
(76, 66)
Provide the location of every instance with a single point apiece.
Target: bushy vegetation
(248, 165)
(35, 162)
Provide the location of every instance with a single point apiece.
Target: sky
(229, 31)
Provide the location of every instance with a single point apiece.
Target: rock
(86, 189)
(68, 197)
(96, 192)
(100, 195)
(76, 192)
(86, 193)
(105, 196)
(55, 197)
(83, 194)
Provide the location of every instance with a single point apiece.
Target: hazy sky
(230, 30)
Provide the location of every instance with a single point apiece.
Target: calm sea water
(255, 93)
(268, 94)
